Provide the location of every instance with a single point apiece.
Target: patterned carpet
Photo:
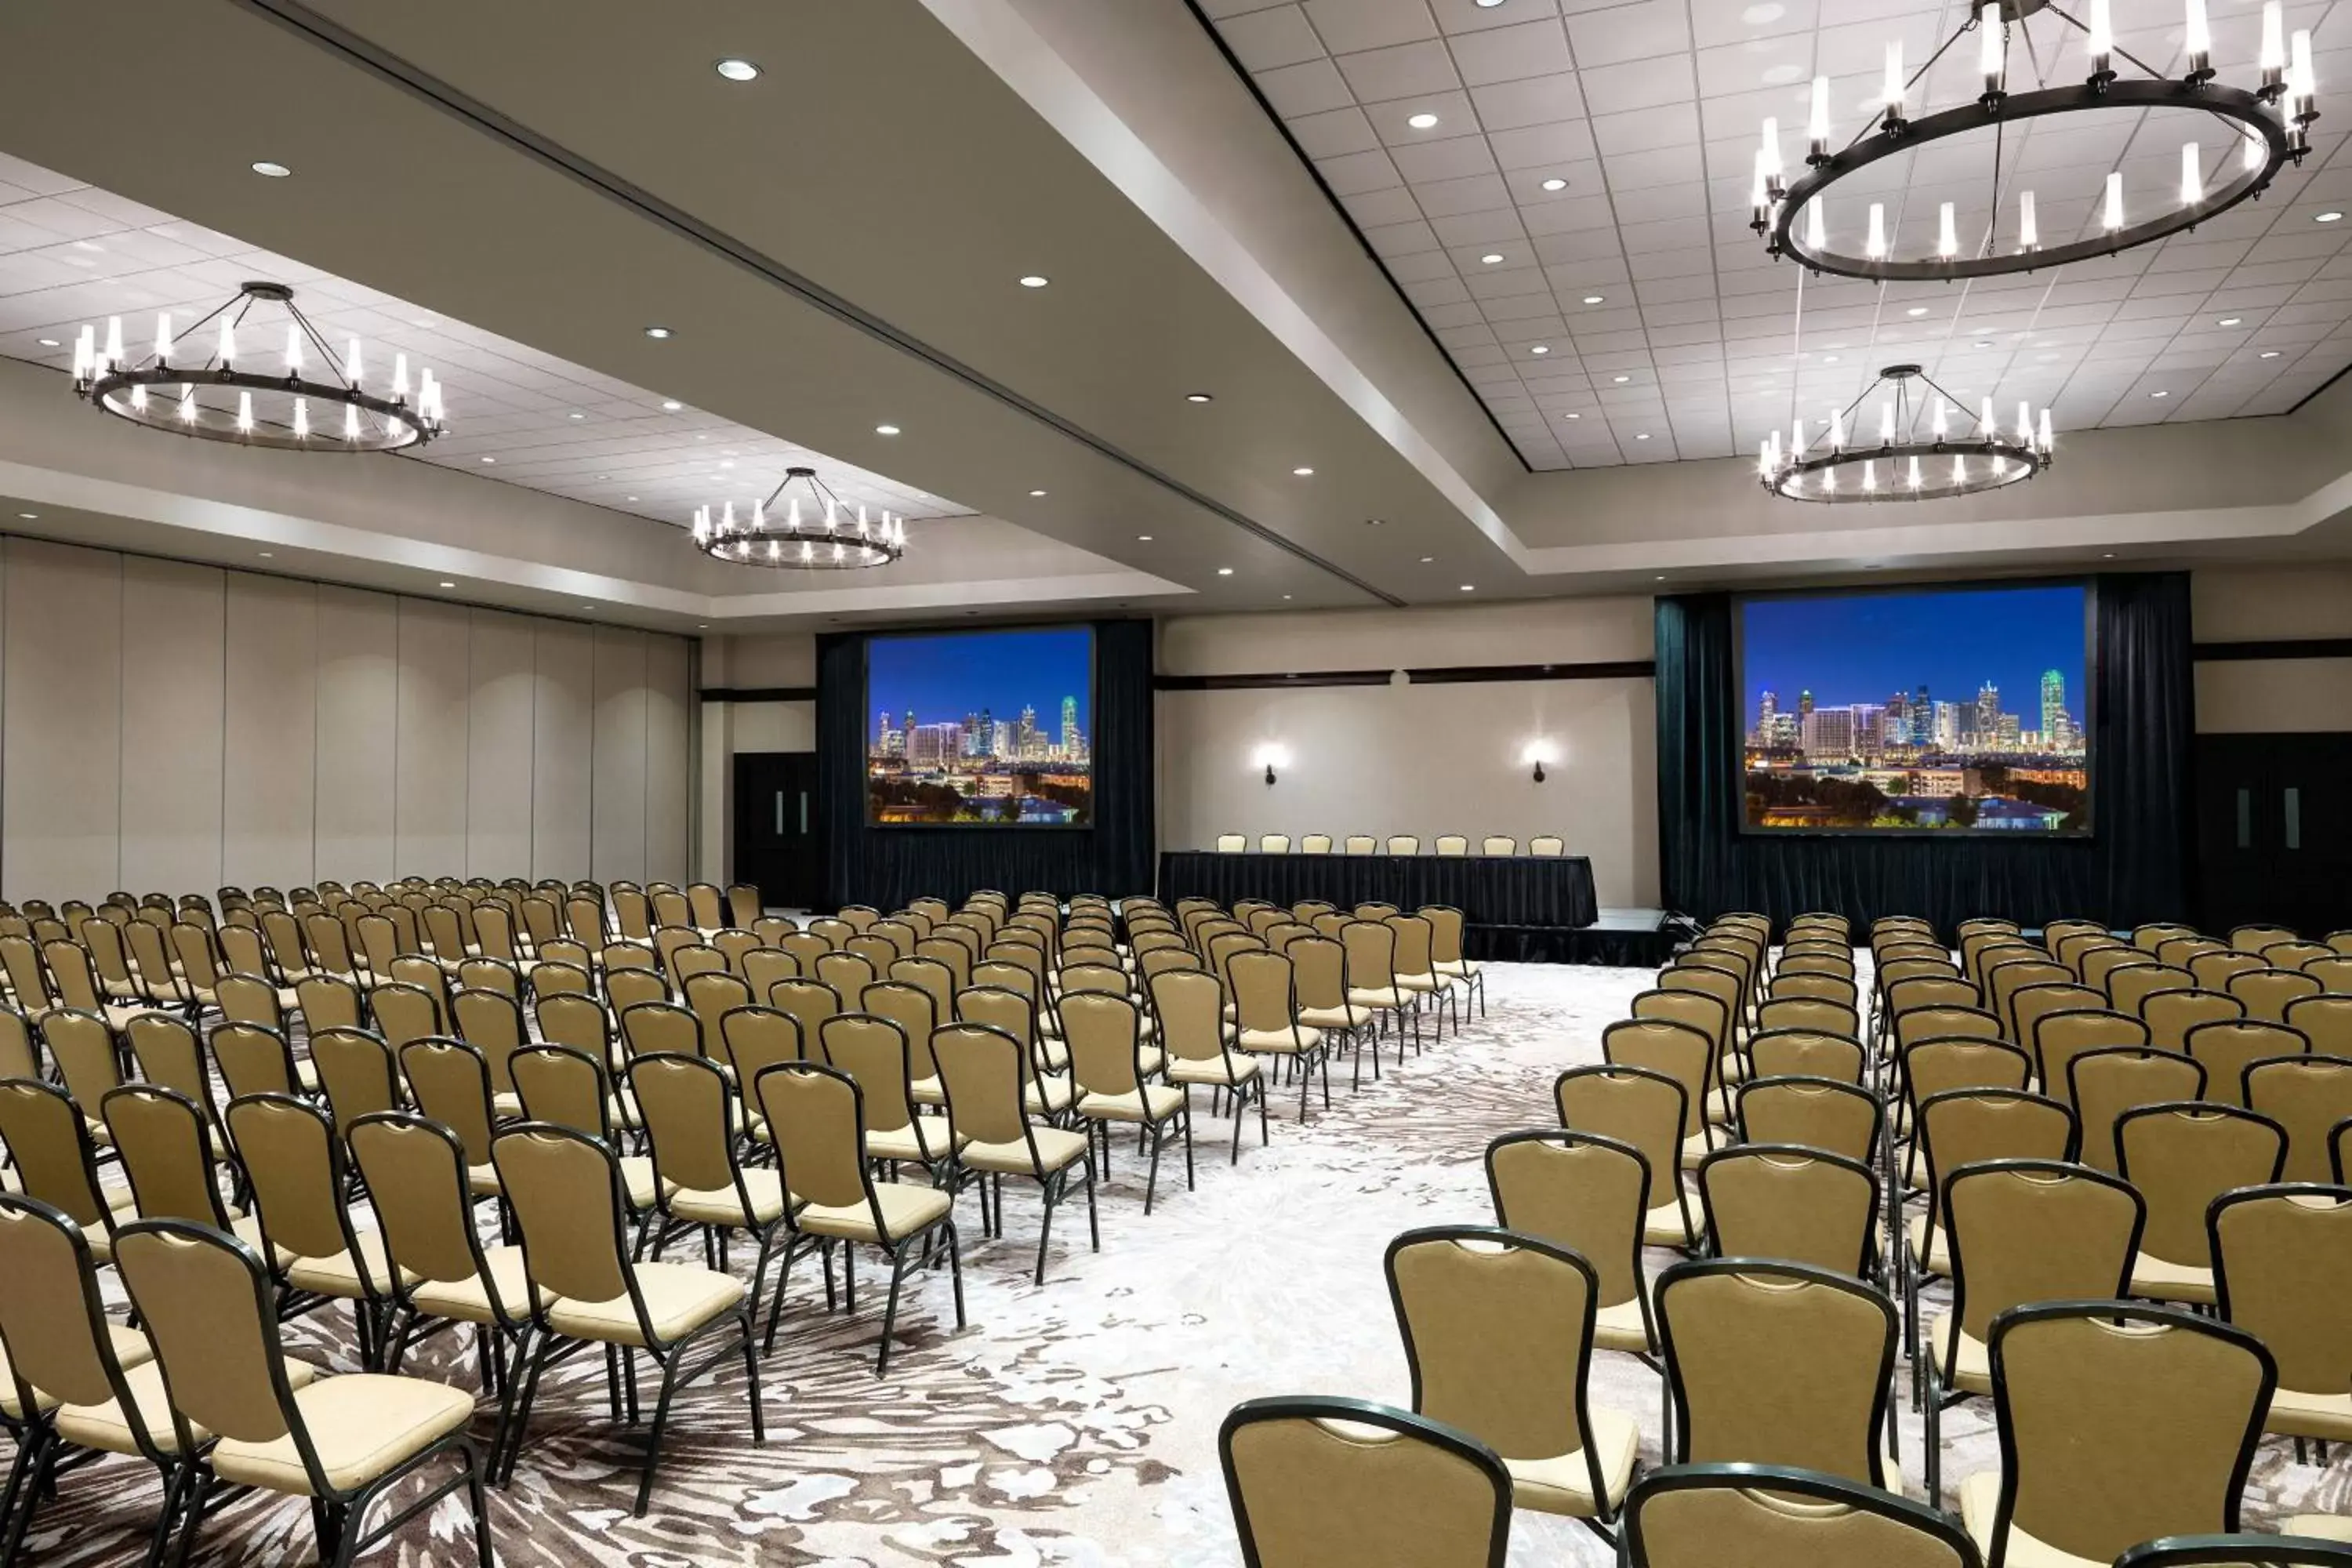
(1072, 1423)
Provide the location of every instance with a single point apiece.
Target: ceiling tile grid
(71, 253)
(1573, 225)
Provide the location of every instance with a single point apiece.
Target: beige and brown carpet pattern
(1073, 1424)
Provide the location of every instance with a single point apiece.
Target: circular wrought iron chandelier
(802, 525)
(1900, 465)
(219, 399)
(2267, 127)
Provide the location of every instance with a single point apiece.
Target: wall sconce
(1270, 758)
(1537, 754)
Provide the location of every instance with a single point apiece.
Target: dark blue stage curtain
(2135, 867)
(886, 866)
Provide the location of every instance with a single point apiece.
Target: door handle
(780, 814)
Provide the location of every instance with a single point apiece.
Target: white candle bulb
(1985, 425)
(86, 355)
(1837, 430)
(1886, 422)
(2029, 236)
(1771, 162)
(1875, 246)
(1915, 473)
(1797, 439)
(793, 515)
(2273, 57)
(2045, 430)
(1959, 469)
(1759, 197)
(139, 398)
(2024, 423)
(2302, 85)
(2197, 37)
(2192, 176)
(301, 419)
(1818, 130)
(1947, 238)
(293, 351)
(2113, 218)
(113, 342)
(399, 377)
(245, 412)
(162, 336)
(1988, 45)
(1893, 93)
(2102, 35)
(1764, 459)
(187, 403)
(227, 342)
(352, 363)
(1939, 426)
(351, 421)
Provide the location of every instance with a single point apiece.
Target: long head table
(1489, 890)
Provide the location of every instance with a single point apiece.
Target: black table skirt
(1489, 890)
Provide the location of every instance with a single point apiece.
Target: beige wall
(173, 727)
(2272, 604)
(1423, 759)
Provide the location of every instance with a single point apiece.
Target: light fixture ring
(2004, 463)
(2248, 109)
(400, 427)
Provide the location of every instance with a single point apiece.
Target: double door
(2275, 831)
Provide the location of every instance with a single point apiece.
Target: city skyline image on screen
(1938, 710)
(980, 729)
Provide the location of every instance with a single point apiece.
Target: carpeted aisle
(1073, 1424)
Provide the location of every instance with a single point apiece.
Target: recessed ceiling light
(2232, 320)
(885, 429)
(1572, 416)
(49, 343)
(576, 415)
(1642, 436)
(30, 516)
(657, 332)
(1492, 258)
(1984, 342)
(737, 70)
(1427, 558)
(269, 170)
(2270, 353)
(1197, 398)
(628, 498)
(1621, 380)
(1541, 349)
(2330, 216)
(1036, 492)
(1143, 539)
(489, 460)
(1424, 122)
(2109, 555)
(1035, 281)
(269, 555)
(1225, 571)
(1662, 576)
(1286, 595)
(1916, 311)
(1374, 521)
(671, 405)
(1469, 588)
(1555, 184)
(1487, 5)
(700, 435)
(1592, 298)
(1828, 359)
(724, 463)
(1304, 473)
(2159, 395)
(448, 585)
(602, 477)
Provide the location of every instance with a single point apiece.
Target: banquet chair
(1107, 1067)
(2282, 1272)
(312, 1250)
(1775, 1516)
(1274, 843)
(1548, 845)
(1317, 1482)
(1499, 843)
(692, 1117)
(2307, 1096)
(2226, 1047)
(1362, 844)
(1842, 1119)
(1403, 844)
(994, 1136)
(2325, 1021)
(2171, 1013)
(1682, 1053)
(1645, 1110)
(1786, 1201)
(1190, 1008)
(2119, 1423)
(1232, 843)
(1315, 844)
(1448, 843)
(1794, 1051)
(2182, 1156)
(1497, 1327)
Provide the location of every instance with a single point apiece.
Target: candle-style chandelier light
(1903, 464)
(227, 397)
(2249, 135)
(802, 525)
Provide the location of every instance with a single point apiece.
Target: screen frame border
(2087, 582)
(867, 710)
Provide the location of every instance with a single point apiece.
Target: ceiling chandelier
(223, 398)
(1900, 465)
(2259, 132)
(802, 524)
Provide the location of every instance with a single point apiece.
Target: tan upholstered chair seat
(1378, 996)
(1282, 1041)
(117, 1016)
(1327, 1017)
(1422, 982)
(1620, 1328)
(1696, 1148)
(1971, 1361)
(901, 1143)
(927, 1092)
(482, 1181)
(906, 1208)
(1662, 1227)
(1940, 1261)
(1049, 1096)
(340, 1276)
(1981, 1499)
(2152, 1277)
(1152, 1102)
(2296, 1414)
(1456, 968)
(1244, 1068)
(679, 1299)
(724, 1206)
(1053, 1052)
(506, 1106)
(1563, 1484)
(1056, 1147)
(131, 1348)
(360, 1424)
(104, 1427)
(640, 1181)
(2320, 1526)
(468, 1301)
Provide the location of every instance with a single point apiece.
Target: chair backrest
(1232, 843)
(1315, 844)
(1700, 1010)
(1317, 1481)
(293, 1161)
(566, 1086)
(2056, 1038)
(656, 1029)
(1772, 1516)
(1779, 1363)
(2171, 1013)
(2307, 1096)
(50, 1143)
(2120, 1422)
(208, 1304)
(2130, 987)
(2104, 1084)
(814, 1116)
(1966, 1126)
(255, 1059)
(1403, 844)
(2227, 1047)
(2325, 1021)
(448, 1081)
(1809, 1112)
(415, 1171)
(164, 1049)
(1447, 844)
(2282, 1271)
(2268, 993)
(2183, 1157)
(166, 1141)
(684, 1103)
(981, 1073)
(1811, 1012)
(1102, 1033)
(2034, 1230)
(1637, 1106)
(1684, 1054)
(1799, 1051)
(491, 1022)
(565, 1189)
(1927, 1019)
(52, 1312)
(875, 1052)
(1580, 1190)
(1497, 1330)
(1799, 1205)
